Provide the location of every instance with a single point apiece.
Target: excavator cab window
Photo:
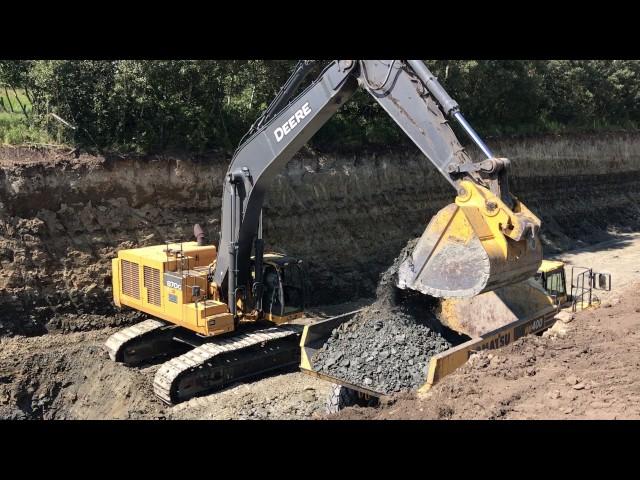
(283, 292)
(539, 278)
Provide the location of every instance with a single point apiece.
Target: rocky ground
(292, 396)
(66, 374)
(69, 376)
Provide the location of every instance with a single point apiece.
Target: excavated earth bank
(63, 218)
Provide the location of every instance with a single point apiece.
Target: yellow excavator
(235, 312)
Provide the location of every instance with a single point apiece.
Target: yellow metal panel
(151, 281)
(306, 354)
(550, 265)
(446, 362)
(489, 311)
(148, 293)
(155, 255)
(219, 324)
(115, 280)
(130, 278)
(211, 307)
(277, 319)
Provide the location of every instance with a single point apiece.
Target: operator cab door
(272, 292)
(283, 293)
(292, 283)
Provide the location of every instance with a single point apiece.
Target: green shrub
(154, 106)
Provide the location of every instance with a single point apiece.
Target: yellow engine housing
(158, 280)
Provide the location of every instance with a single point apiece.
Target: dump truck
(233, 311)
(487, 321)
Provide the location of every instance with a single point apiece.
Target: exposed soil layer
(387, 346)
(586, 368)
(63, 218)
(291, 396)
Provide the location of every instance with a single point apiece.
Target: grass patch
(16, 127)
(12, 102)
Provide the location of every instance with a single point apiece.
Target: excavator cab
(283, 295)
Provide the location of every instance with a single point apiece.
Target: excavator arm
(486, 239)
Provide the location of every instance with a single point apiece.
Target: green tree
(152, 106)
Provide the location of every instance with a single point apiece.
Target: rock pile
(387, 346)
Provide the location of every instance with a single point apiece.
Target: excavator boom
(485, 240)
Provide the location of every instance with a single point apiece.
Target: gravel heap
(387, 346)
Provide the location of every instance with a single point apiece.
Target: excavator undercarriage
(234, 312)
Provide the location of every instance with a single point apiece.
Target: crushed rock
(387, 346)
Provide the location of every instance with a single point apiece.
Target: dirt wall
(63, 218)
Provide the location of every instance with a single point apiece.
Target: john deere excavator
(232, 311)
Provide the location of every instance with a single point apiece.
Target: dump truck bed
(315, 335)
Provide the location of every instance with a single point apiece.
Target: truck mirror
(602, 281)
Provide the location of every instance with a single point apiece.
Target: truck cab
(551, 277)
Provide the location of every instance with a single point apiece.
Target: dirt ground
(619, 256)
(69, 376)
(587, 368)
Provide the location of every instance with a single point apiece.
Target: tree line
(149, 106)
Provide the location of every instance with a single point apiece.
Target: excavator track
(220, 362)
(141, 342)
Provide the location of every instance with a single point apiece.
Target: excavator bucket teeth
(465, 251)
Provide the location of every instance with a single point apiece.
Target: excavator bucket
(475, 245)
